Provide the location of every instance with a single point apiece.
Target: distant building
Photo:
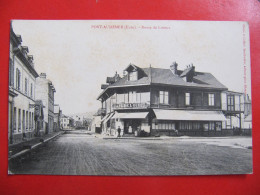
(39, 118)
(45, 92)
(96, 121)
(248, 113)
(65, 122)
(57, 117)
(22, 80)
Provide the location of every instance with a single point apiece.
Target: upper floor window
(31, 90)
(133, 76)
(230, 102)
(132, 97)
(18, 79)
(211, 99)
(11, 73)
(164, 97)
(25, 85)
(187, 99)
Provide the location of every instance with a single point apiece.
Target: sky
(78, 55)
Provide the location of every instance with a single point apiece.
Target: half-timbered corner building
(162, 101)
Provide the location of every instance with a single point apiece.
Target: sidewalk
(230, 141)
(14, 149)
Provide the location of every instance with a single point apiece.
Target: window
(132, 96)
(18, 79)
(11, 73)
(218, 126)
(187, 99)
(133, 76)
(19, 120)
(31, 90)
(25, 86)
(230, 103)
(145, 97)
(211, 99)
(14, 127)
(23, 120)
(30, 118)
(164, 97)
(211, 125)
(138, 98)
(27, 120)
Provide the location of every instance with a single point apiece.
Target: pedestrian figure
(118, 131)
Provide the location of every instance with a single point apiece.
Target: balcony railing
(130, 106)
(232, 108)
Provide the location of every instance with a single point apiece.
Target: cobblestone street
(79, 153)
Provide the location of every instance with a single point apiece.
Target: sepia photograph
(129, 98)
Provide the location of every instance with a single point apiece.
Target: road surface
(78, 153)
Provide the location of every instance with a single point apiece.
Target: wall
(22, 102)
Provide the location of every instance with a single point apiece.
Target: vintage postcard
(129, 97)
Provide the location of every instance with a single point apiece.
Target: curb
(33, 147)
(134, 138)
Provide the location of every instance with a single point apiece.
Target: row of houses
(73, 122)
(32, 111)
(159, 101)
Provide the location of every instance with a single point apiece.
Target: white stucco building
(22, 81)
(45, 92)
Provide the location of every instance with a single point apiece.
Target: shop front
(187, 122)
(130, 123)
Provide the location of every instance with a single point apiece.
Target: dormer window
(132, 76)
(188, 74)
(134, 72)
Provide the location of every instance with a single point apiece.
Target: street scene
(81, 153)
(153, 103)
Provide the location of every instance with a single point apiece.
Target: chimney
(30, 59)
(25, 50)
(174, 68)
(117, 77)
(43, 75)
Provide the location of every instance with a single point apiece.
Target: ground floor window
(211, 125)
(200, 125)
(185, 125)
(23, 120)
(19, 120)
(27, 120)
(218, 126)
(14, 127)
(165, 125)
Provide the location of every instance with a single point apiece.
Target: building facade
(22, 81)
(65, 122)
(57, 117)
(45, 92)
(155, 101)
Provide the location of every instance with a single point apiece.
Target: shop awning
(189, 115)
(131, 115)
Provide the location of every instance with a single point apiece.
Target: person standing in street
(118, 131)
